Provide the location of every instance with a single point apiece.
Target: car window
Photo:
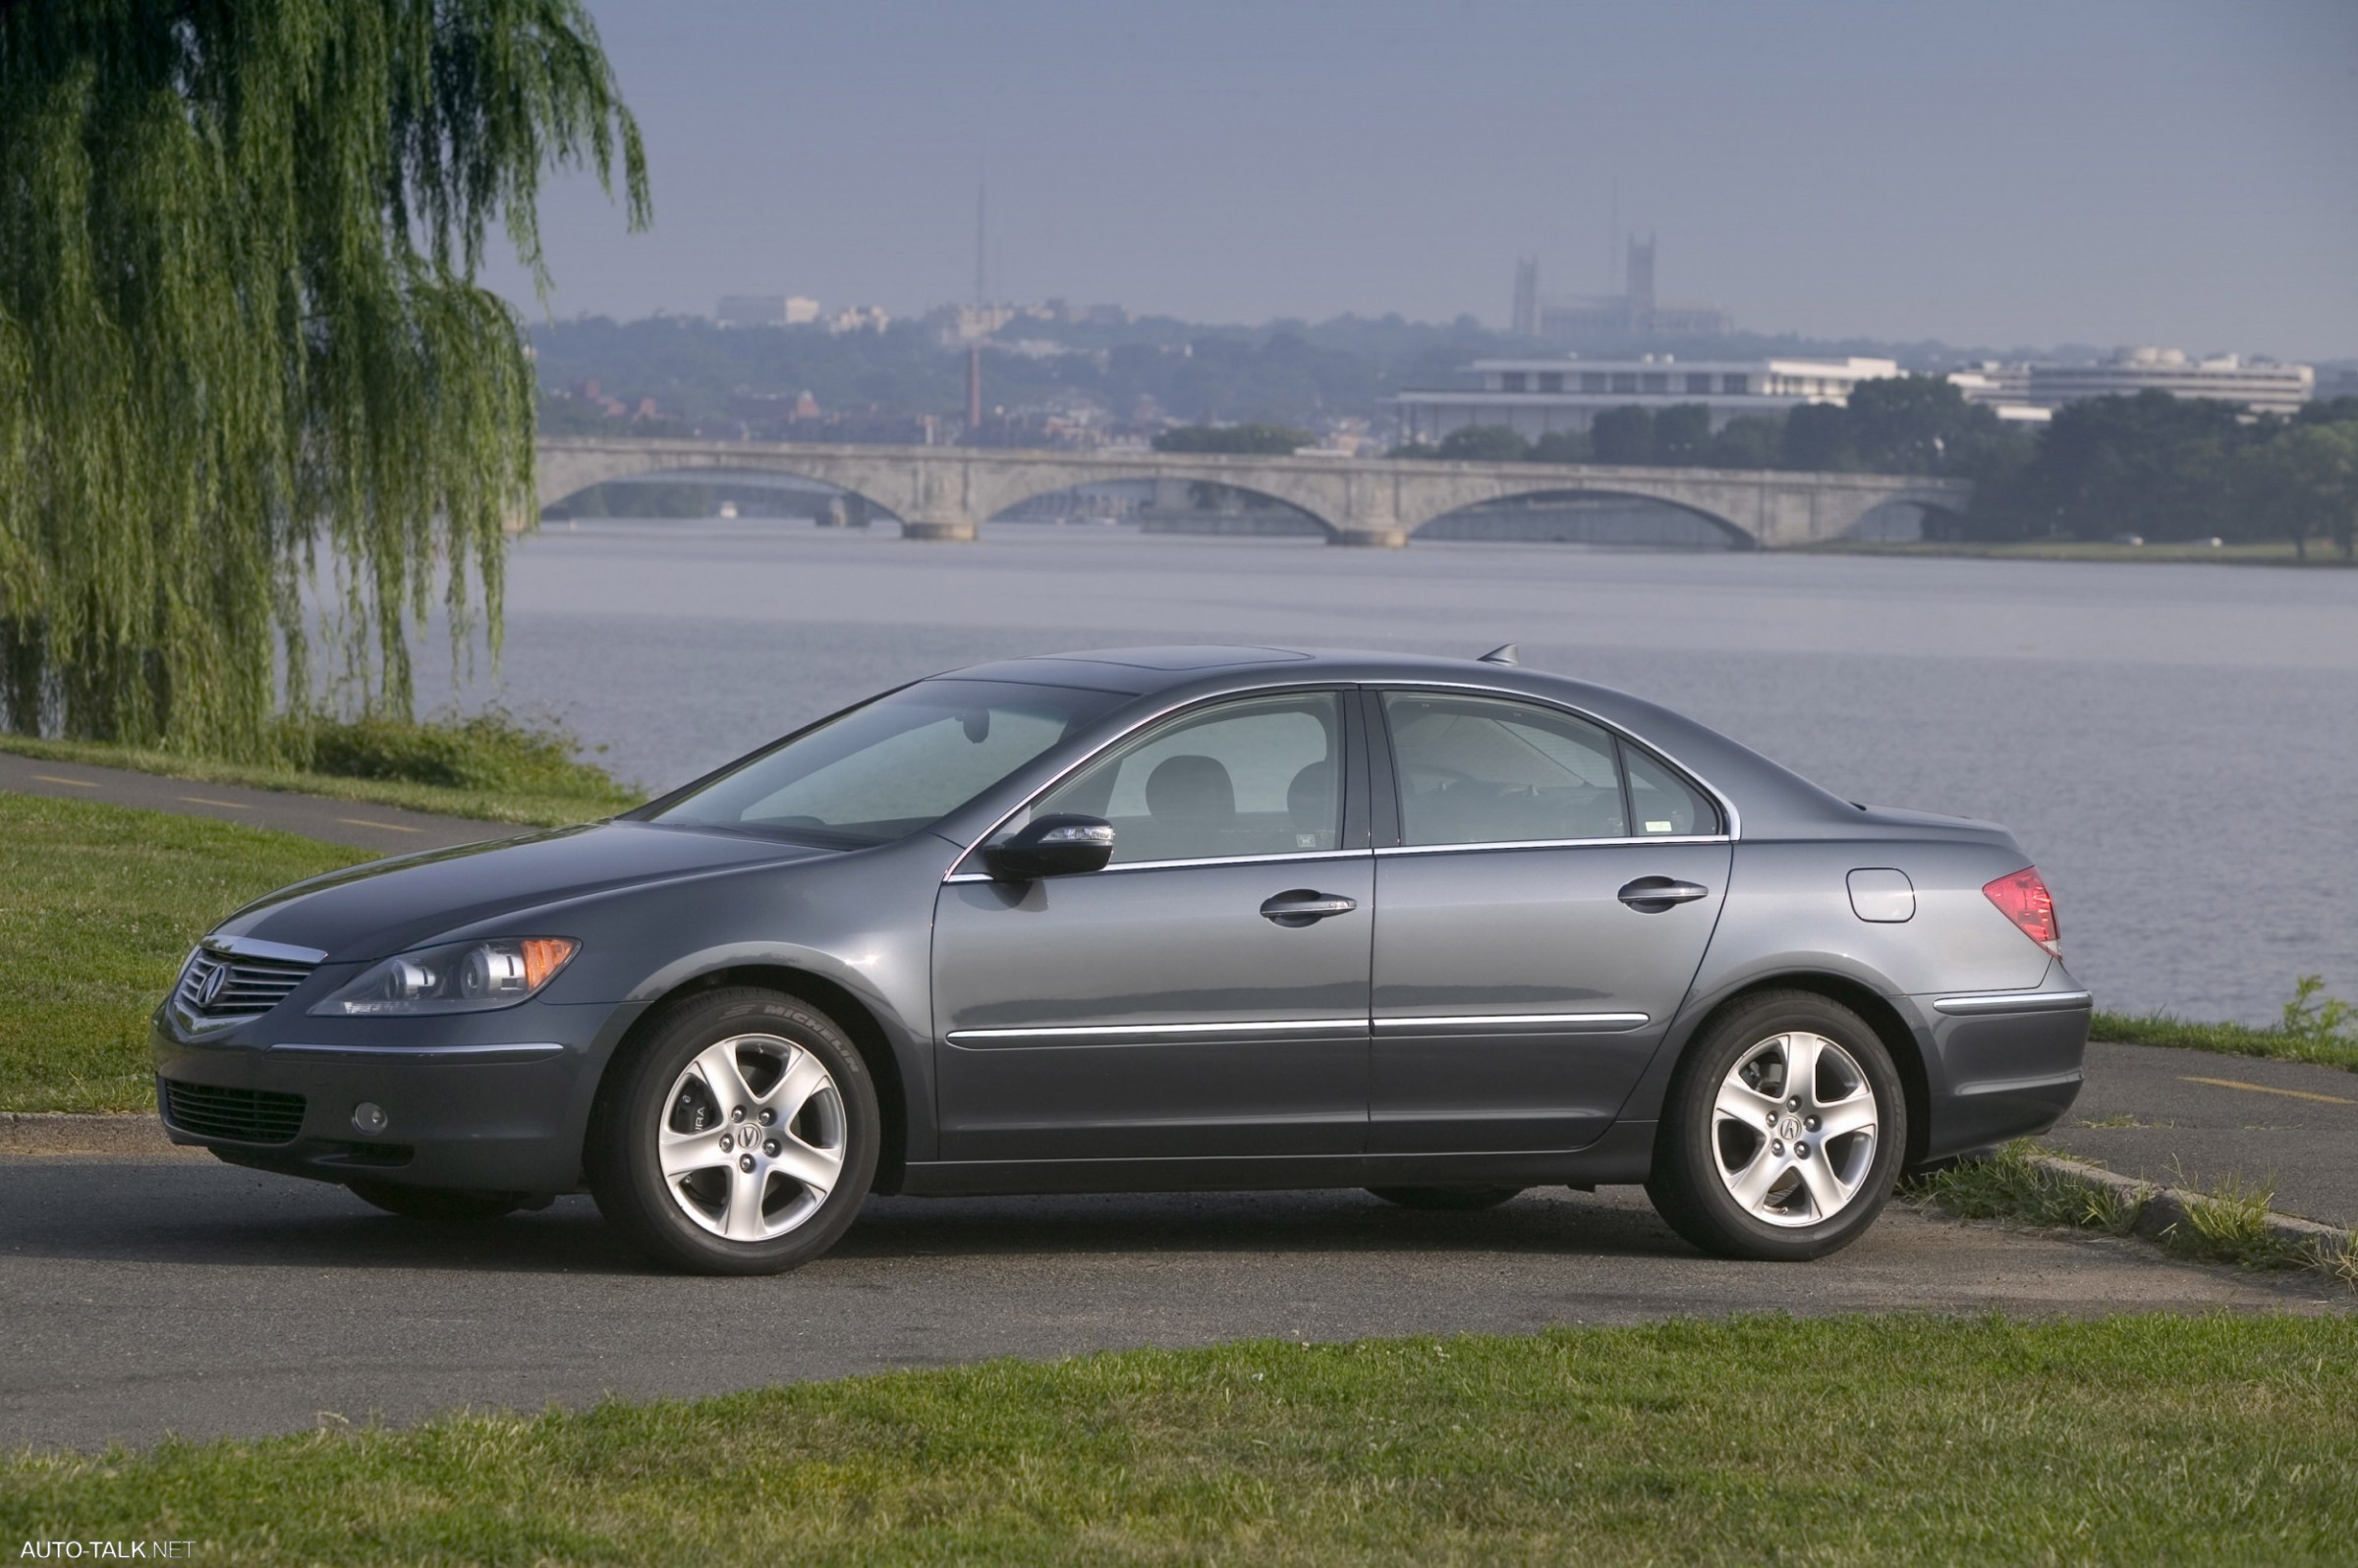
(894, 765)
(1663, 803)
(1488, 771)
(1257, 776)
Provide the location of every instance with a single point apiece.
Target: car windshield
(894, 765)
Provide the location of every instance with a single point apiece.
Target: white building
(1539, 397)
(2003, 389)
(2260, 387)
(859, 319)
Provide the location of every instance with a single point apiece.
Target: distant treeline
(2159, 466)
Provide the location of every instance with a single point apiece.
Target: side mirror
(1060, 844)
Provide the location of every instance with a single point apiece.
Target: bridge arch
(562, 473)
(1236, 484)
(752, 472)
(1733, 533)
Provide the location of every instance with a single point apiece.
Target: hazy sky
(1987, 172)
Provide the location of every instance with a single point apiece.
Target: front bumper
(460, 1110)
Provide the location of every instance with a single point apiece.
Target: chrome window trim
(1053, 1032)
(2014, 1002)
(1552, 843)
(263, 952)
(1735, 818)
(1585, 1022)
(1211, 860)
(1728, 806)
(530, 1052)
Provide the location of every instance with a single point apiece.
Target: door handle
(1303, 906)
(1651, 895)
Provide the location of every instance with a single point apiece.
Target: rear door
(1540, 918)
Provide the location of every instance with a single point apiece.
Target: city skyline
(2011, 176)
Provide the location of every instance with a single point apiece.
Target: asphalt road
(2182, 1118)
(363, 825)
(146, 1296)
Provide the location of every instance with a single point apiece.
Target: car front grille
(248, 987)
(248, 1115)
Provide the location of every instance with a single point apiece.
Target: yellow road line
(78, 783)
(2262, 1088)
(202, 800)
(390, 827)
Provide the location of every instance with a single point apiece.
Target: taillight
(2022, 897)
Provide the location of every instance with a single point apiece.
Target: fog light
(369, 1117)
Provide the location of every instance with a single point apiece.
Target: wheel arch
(1907, 1050)
(839, 1003)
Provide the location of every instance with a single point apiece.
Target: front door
(1523, 977)
(1206, 993)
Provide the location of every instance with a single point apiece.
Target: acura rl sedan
(1155, 919)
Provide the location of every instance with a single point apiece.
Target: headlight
(461, 977)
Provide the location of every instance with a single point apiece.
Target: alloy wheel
(1794, 1130)
(752, 1138)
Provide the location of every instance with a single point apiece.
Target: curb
(67, 1133)
(2162, 1209)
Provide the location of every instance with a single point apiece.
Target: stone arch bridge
(946, 492)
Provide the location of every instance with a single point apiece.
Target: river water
(2176, 746)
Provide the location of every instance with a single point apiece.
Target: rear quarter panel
(1788, 913)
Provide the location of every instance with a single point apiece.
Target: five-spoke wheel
(1793, 1129)
(755, 1139)
(738, 1136)
(1783, 1130)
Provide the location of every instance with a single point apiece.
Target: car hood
(385, 906)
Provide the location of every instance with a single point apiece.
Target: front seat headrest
(1190, 788)
(1310, 797)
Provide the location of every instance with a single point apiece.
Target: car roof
(1770, 798)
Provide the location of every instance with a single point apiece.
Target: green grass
(2226, 1226)
(2325, 1049)
(2274, 552)
(1845, 1441)
(537, 796)
(2012, 1185)
(99, 905)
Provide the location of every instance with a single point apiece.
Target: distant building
(2003, 389)
(1525, 322)
(2260, 387)
(972, 323)
(1634, 314)
(1539, 397)
(859, 319)
(766, 309)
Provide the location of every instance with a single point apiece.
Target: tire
(1447, 1199)
(1785, 1189)
(439, 1205)
(784, 1086)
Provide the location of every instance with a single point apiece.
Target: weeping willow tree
(245, 366)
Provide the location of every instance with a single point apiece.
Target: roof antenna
(1503, 653)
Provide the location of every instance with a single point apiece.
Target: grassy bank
(1848, 1441)
(2326, 1048)
(99, 905)
(426, 768)
(2226, 1226)
(2270, 553)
